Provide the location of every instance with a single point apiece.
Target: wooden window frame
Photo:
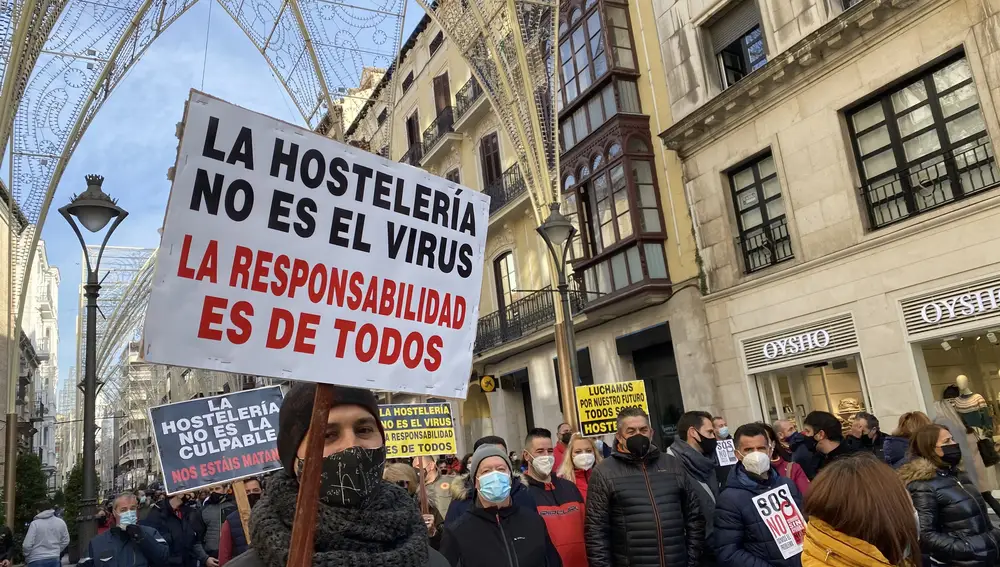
(778, 248)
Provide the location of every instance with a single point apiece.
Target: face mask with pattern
(349, 476)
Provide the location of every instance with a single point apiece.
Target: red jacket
(793, 473)
(582, 479)
(559, 503)
(560, 453)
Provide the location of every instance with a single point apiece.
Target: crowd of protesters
(866, 498)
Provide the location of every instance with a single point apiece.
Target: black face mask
(253, 499)
(952, 455)
(565, 438)
(349, 476)
(214, 498)
(708, 445)
(867, 441)
(638, 445)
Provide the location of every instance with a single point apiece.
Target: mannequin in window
(972, 407)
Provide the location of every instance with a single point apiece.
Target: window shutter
(732, 25)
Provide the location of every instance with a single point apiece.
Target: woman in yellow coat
(860, 515)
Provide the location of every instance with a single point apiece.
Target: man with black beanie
(361, 520)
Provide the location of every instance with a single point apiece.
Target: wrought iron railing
(441, 126)
(413, 155)
(766, 245)
(938, 179)
(522, 317)
(506, 189)
(466, 97)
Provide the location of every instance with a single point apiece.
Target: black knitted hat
(296, 411)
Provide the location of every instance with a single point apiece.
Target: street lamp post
(94, 209)
(557, 232)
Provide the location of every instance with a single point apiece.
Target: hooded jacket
(499, 537)
(643, 512)
(954, 526)
(561, 507)
(46, 538)
(825, 546)
(894, 450)
(742, 539)
(115, 548)
(462, 497)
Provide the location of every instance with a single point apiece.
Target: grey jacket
(46, 538)
(212, 516)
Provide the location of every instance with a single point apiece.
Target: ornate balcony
(440, 136)
(521, 318)
(469, 104)
(413, 155)
(509, 187)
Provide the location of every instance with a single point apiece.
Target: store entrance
(835, 386)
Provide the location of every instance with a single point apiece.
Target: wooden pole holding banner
(423, 488)
(243, 505)
(300, 550)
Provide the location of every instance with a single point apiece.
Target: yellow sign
(416, 430)
(488, 383)
(598, 405)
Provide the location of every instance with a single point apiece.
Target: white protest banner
(726, 452)
(287, 254)
(778, 510)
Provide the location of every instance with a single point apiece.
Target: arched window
(584, 172)
(574, 16)
(563, 28)
(590, 4)
(570, 181)
(615, 150)
(598, 160)
(637, 145)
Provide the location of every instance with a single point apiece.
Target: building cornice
(707, 122)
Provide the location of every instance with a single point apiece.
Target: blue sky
(131, 141)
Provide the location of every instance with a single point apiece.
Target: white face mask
(543, 465)
(757, 463)
(584, 461)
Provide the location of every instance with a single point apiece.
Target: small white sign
(287, 254)
(778, 510)
(725, 451)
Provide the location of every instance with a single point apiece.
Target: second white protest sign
(287, 254)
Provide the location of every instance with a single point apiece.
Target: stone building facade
(838, 158)
(636, 297)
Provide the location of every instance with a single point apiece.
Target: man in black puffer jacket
(641, 508)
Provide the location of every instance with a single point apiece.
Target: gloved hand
(134, 532)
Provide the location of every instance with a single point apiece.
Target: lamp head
(556, 229)
(94, 208)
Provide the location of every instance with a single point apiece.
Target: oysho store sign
(952, 306)
(795, 344)
(801, 344)
(964, 305)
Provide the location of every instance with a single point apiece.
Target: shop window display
(971, 363)
(834, 386)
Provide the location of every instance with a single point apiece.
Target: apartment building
(635, 294)
(839, 159)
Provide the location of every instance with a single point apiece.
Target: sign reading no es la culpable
(209, 441)
(598, 405)
(417, 430)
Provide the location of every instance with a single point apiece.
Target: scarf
(697, 465)
(387, 532)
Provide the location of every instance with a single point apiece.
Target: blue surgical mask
(724, 432)
(495, 486)
(128, 518)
